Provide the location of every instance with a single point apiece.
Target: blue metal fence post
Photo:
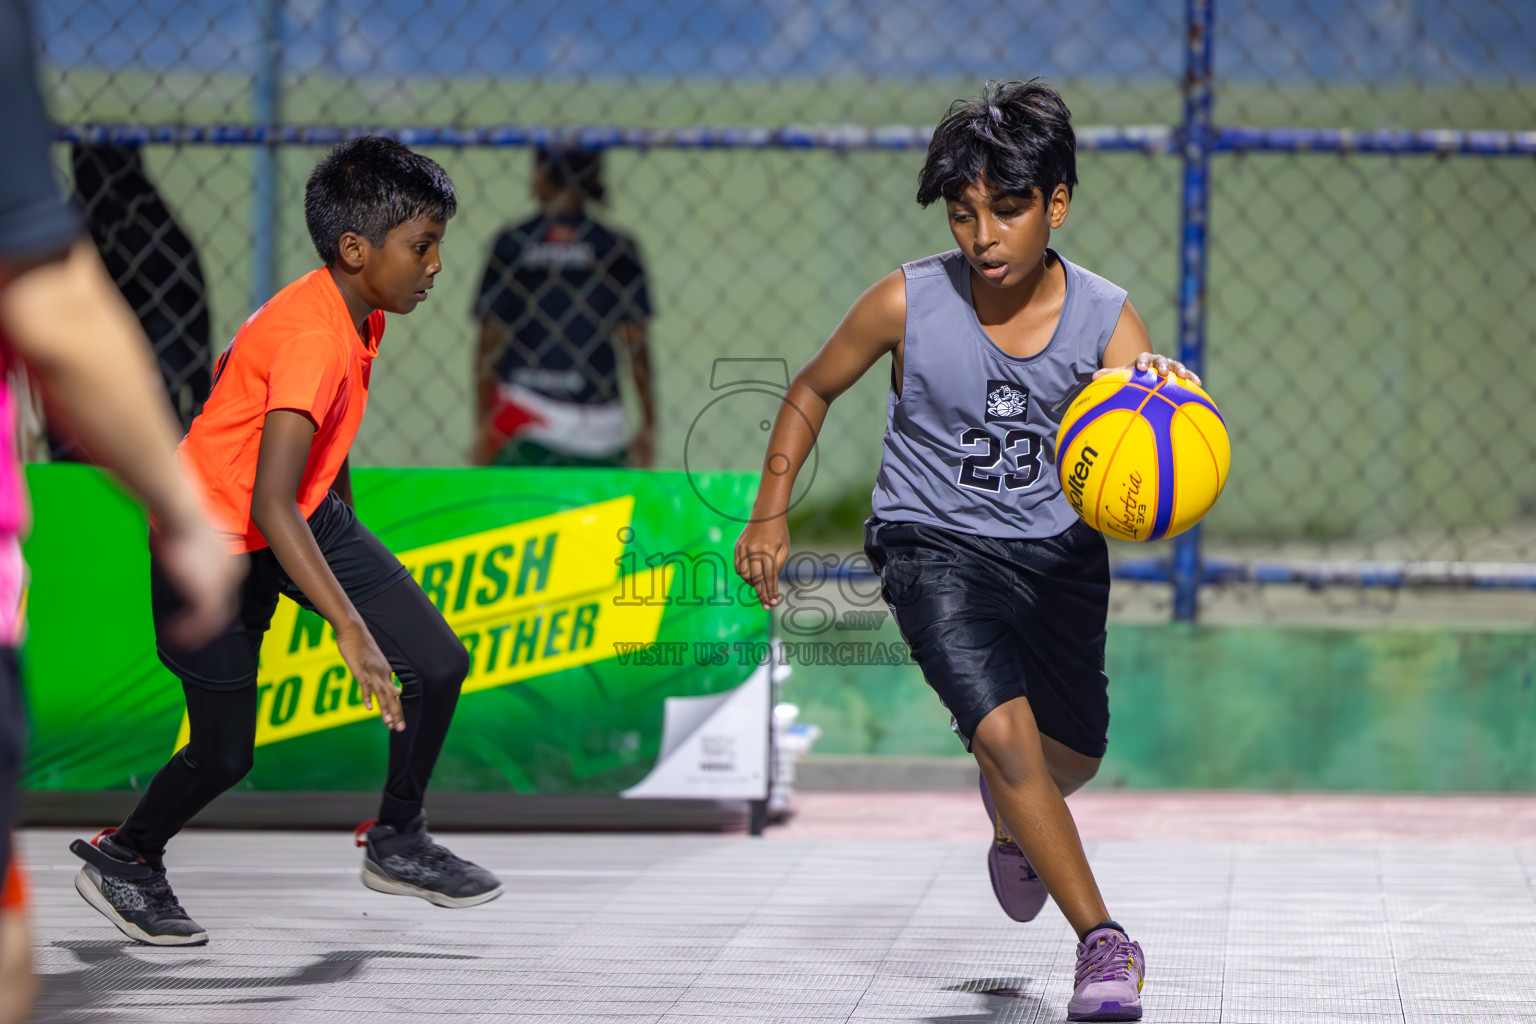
(1195, 139)
(265, 92)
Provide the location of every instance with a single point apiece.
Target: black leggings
(427, 657)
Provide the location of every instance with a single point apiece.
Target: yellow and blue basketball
(1141, 456)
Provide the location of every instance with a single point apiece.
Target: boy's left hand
(1162, 364)
(372, 671)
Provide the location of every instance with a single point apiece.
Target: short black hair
(1016, 135)
(372, 185)
(573, 170)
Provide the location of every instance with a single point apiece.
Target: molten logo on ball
(1074, 483)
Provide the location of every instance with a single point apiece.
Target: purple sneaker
(1018, 889)
(1110, 971)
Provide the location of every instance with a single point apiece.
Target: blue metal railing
(1154, 139)
(266, 96)
(1195, 148)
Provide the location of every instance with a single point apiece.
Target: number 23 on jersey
(1018, 445)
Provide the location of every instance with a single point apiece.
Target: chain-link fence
(1367, 289)
(1369, 302)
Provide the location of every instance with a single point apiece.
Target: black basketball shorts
(990, 619)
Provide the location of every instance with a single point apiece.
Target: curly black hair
(1016, 135)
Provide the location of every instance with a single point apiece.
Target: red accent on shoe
(97, 838)
(361, 831)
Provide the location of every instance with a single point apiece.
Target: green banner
(585, 598)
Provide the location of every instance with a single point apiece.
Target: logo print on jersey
(1006, 401)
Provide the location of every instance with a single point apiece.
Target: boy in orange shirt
(271, 447)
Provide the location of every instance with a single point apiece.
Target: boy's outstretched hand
(1162, 364)
(761, 551)
(371, 670)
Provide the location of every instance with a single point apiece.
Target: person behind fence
(559, 290)
(154, 263)
(272, 446)
(999, 589)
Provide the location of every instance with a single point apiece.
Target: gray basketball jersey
(971, 443)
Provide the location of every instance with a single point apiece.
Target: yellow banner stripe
(526, 599)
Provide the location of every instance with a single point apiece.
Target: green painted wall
(1252, 708)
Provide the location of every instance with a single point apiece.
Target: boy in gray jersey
(999, 589)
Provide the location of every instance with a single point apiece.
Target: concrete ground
(866, 907)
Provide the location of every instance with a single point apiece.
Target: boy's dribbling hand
(371, 670)
(1162, 364)
(761, 552)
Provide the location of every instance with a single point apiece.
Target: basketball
(1141, 456)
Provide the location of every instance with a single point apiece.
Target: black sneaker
(409, 863)
(133, 895)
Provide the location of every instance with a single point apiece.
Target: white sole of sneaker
(378, 883)
(92, 895)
